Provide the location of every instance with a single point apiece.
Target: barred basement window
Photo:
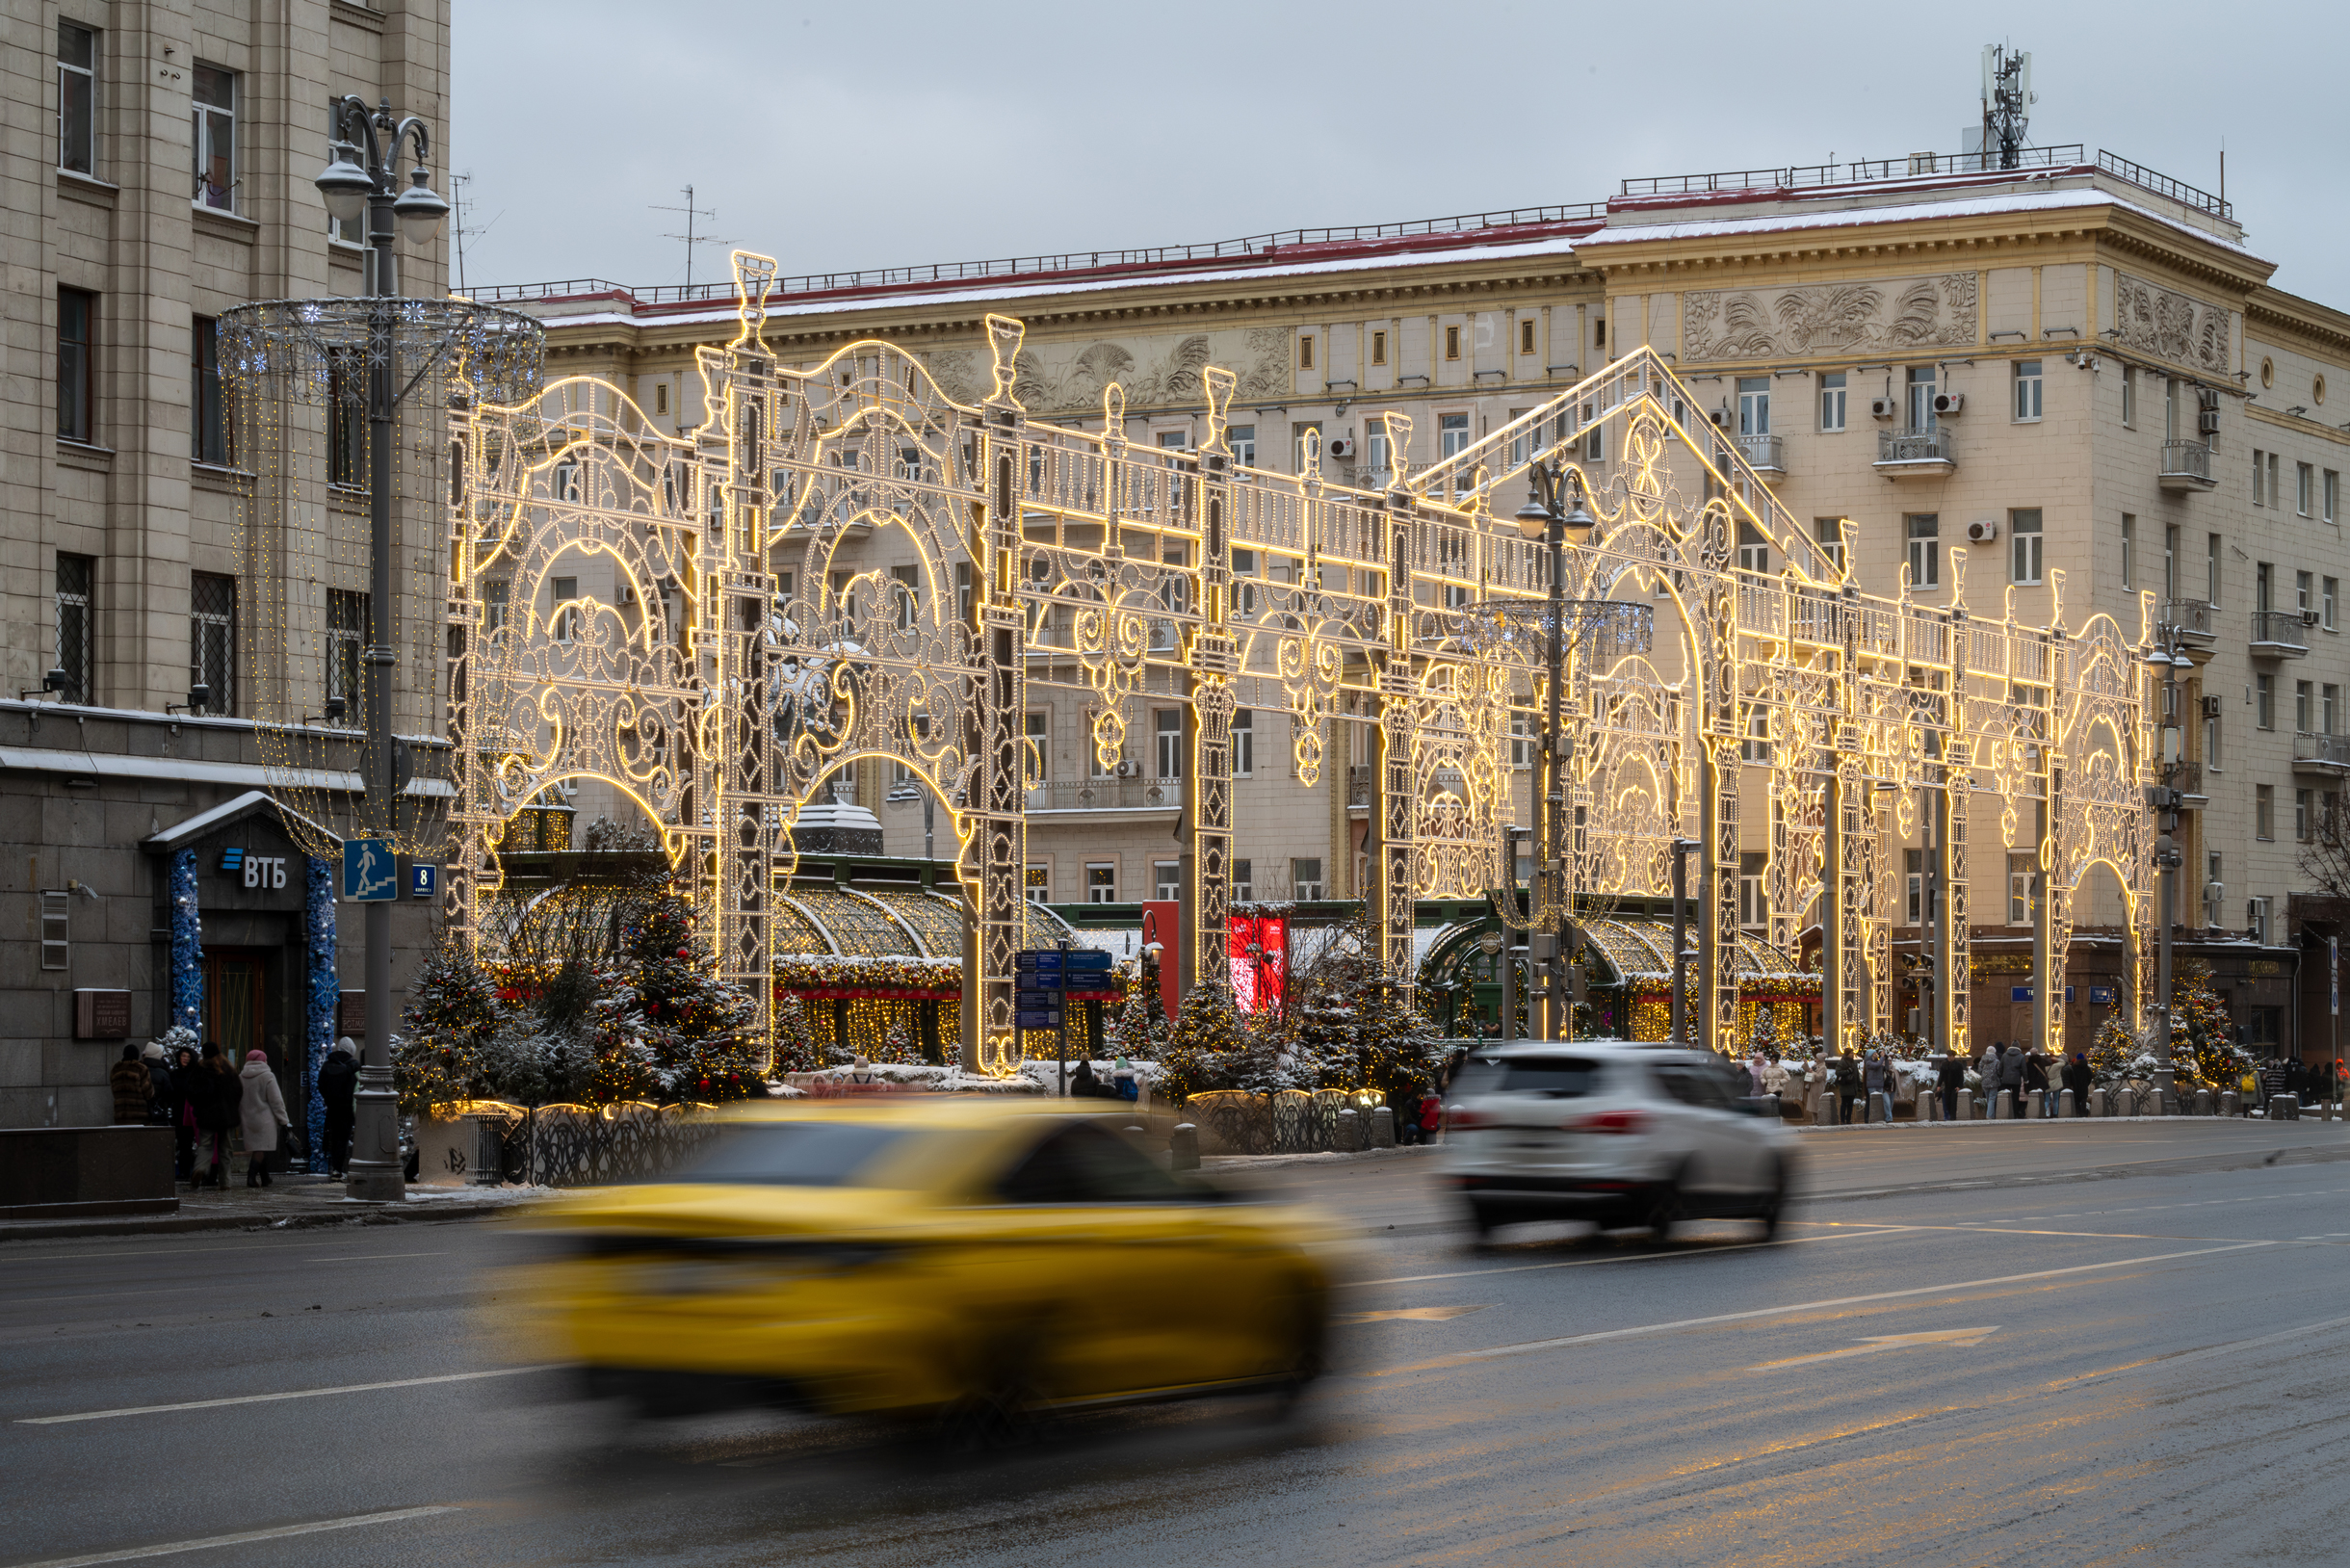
(346, 631)
(76, 625)
(212, 640)
(56, 945)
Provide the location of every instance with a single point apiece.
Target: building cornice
(2318, 326)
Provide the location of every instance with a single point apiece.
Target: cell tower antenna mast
(2007, 103)
(691, 238)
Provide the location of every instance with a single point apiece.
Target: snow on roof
(1905, 213)
(228, 811)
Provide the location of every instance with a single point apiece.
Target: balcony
(1136, 794)
(2187, 465)
(2279, 634)
(2192, 619)
(2187, 778)
(2322, 756)
(1764, 454)
(1913, 454)
(1358, 785)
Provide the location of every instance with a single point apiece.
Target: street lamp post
(1546, 517)
(351, 187)
(2170, 659)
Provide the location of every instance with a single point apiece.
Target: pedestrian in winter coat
(338, 1085)
(163, 1100)
(261, 1106)
(1877, 1077)
(1848, 1086)
(2011, 1076)
(1431, 1118)
(132, 1089)
(215, 1101)
(1987, 1068)
(183, 1111)
(1951, 1075)
(2036, 1081)
(2077, 1078)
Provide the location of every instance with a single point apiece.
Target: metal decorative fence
(1284, 1121)
(574, 1145)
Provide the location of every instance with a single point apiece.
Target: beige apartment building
(2073, 372)
(157, 171)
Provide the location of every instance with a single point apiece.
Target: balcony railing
(1766, 453)
(2279, 632)
(1922, 451)
(1135, 794)
(1358, 786)
(2186, 777)
(2192, 617)
(2328, 752)
(2187, 465)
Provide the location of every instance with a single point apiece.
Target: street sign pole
(1065, 1017)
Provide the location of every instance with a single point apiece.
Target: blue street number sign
(370, 873)
(423, 881)
(2024, 993)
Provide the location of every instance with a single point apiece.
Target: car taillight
(1460, 1120)
(1611, 1121)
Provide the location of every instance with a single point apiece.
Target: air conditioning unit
(1341, 449)
(2207, 423)
(1950, 403)
(1720, 418)
(2210, 707)
(1884, 407)
(1127, 767)
(1982, 533)
(2309, 618)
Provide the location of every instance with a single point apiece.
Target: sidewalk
(295, 1202)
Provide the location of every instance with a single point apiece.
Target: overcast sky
(879, 135)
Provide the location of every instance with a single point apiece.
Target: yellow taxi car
(975, 1258)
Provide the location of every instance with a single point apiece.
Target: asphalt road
(2045, 1345)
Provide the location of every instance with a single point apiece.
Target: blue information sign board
(370, 873)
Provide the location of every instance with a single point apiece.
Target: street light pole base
(379, 1184)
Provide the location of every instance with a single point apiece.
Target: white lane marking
(2205, 1354)
(1957, 1339)
(131, 1554)
(265, 1399)
(100, 1296)
(1415, 1315)
(365, 1257)
(1844, 1301)
(1640, 1257)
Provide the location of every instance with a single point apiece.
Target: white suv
(1616, 1133)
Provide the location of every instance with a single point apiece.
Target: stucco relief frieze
(2171, 325)
(1829, 318)
(1069, 376)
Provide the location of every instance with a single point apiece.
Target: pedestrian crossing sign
(370, 873)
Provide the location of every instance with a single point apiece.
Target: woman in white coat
(262, 1108)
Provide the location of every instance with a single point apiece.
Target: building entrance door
(232, 1003)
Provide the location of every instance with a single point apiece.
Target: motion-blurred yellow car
(981, 1259)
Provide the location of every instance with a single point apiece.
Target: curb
(1275, 1162)
(167, 1225)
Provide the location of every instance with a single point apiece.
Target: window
(1036, 881)
(1375, 447)
(1169, 729)
(346, 628)
(2211, 742)
(216, 136)
(1912, 881)
(56, 929)
(1920, 382)
(2264, 582)
(1167, 879)
(1754, 553)
(1754, 406)
(2169, 409)
(2330, 496)
(2129, 551)
(1526, 335)
(2266, 1022)
(1244, 882)
(2024, 543)
(2327, 595)
(2212, 570)
(1378, 348)
(1831, 400)
(2304, 707)
(2329, 709)
(962, 590)
(564, 615)
(1243, 440)
(76, 625)
(2304, 813)
(1522, 743)
(2264, 811)
(497, 591)
(2028, 389)
(77, 98)
(2265, 701)
(346, 418)
(2170, 560)
(2021, 875)
(2130, 396)
(1174, 440)
(1453, 343)
(2260, 485)
(212, 640)
(1451, 434)
(661, 398)
(1101, 882)
(1923, 530)
(2276, 487)
(2304, 593)
(1036, 731)
(1244, 742)
(1599, 332)
(1305, 352)
(2305, 488)
(906, 588)
(207, 416)
(1754, 909)
(1830, 532)
(1306, 879)
(1754, 745)
(77, 332)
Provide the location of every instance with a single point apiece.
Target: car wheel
(998, 1409)
(1774, 1204)
(1667, 1208)
(1482, 1221)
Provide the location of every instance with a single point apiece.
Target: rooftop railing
(1926, 165)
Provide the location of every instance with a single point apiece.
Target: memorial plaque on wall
(350, 1016)
(101, 1015)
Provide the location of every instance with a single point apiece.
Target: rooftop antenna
(691, 238)
(459, 228)
(2007, 102)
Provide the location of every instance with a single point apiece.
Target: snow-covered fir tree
(664, 1027)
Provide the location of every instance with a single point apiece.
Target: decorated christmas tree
(795, 1049)
(2204, 1053)
(1138, 1030)
(1207, 1048)
(453, 1012)
(664, 1027)
(898, 1048)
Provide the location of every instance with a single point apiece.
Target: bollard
(2032, 1105)
(1383, 1126)
(2227, 1102)
(2065, 1109)
(2097, 1104)
(1823, 1112)
(2203, 1102)
(1929, 1104)
(1183, 1148)
(1966, 1104)
(2292, 1106)
(1349, 1131)
(2006, 1105)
